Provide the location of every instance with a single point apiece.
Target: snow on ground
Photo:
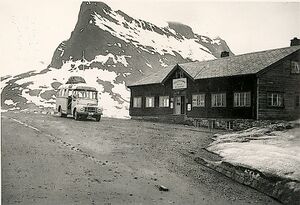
(273, 152)
(162, 44)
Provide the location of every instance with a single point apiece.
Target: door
(69, 105)
(178, 105)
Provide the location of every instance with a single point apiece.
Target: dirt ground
(51, 160)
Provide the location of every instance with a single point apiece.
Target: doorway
(179, 105)
(69, 105)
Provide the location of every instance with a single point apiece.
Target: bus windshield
(87, 94)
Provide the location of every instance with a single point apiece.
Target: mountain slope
(109, 49)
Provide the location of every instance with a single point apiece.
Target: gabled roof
(155, 77)
(250, 63)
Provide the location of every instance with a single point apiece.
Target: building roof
(250, 63)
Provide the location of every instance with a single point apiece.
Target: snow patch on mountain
(132, 32)
(9, 102)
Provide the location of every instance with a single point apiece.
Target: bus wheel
(98, 118)
(76, 115)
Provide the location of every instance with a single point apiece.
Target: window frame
(202, 101)
(223, 100)
(60, 92)
(146, 101)
(242, 99)
(163, 97)
(65, 92)
(133, 102)
(278, 94)
(295, 67)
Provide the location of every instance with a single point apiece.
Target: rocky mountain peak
(182, 29)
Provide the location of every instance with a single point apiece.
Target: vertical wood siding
(279, 78)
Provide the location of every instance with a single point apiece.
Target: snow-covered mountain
(109, 49)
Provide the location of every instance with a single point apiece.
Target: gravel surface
(52, 160)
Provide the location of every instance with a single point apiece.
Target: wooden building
(260, 85)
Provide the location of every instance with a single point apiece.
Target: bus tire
(98, 118)
(76, 115)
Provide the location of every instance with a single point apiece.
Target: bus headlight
(100, 110)
(82, 109)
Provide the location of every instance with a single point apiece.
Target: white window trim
(295, 67)
(135, 104)
(162, 102)
(223, 99)
(240, 99)
(275, 95)
(198, 100)
(152, 104)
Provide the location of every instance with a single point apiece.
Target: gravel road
(51, 160)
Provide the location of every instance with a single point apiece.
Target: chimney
(224, 54)
(295, 42)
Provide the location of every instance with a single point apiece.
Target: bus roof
(78, 86)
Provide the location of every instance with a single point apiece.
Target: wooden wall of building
(207, 86)
(149, 90)
(279, 78)
(227, 85)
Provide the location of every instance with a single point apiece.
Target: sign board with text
(179, 83)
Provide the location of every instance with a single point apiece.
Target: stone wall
(230, 124)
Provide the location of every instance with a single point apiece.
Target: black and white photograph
(142, 102)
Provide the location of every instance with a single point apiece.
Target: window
(295, 69)
(242, 99)
(275, 99)
(149, 101)
(65, 92)
(218, 100)
(70, 92)
(60, 93)
(198, 100)
(163, 101)
(137, 102)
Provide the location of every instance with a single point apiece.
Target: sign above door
(179, 83)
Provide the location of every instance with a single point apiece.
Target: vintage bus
(78, 100)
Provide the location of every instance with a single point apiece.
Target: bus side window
(80, 94)
(70, 93)
(61, 93)
(66, 93)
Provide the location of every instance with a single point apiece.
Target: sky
(32, 29)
